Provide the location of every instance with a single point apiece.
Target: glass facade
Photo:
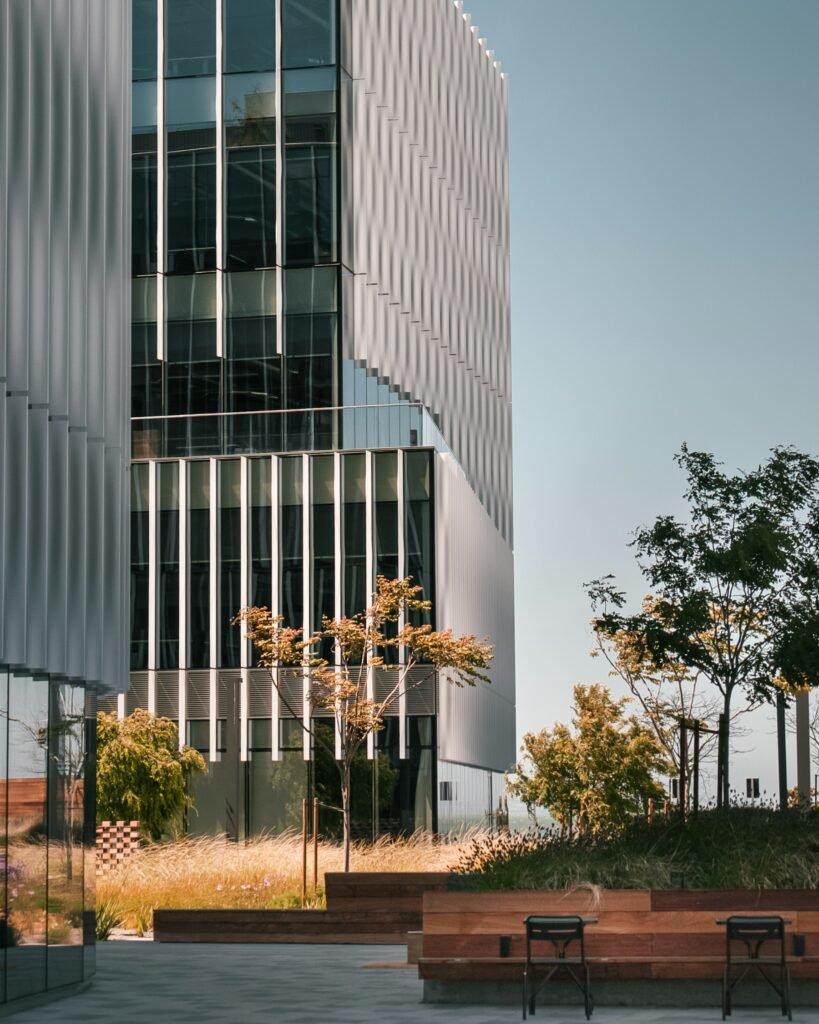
(236, 344)
(303, 532)
(281, 473)
(46, 835)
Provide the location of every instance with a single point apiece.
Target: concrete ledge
(670, 993)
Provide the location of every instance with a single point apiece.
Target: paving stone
(148, 983)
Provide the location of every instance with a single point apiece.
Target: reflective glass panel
(323, 544)
(250, 35)
(143, 39)
(168, 565)
(230, 554)
(199, 567)
(192, 368)
(143, 214)
(261, 538)
(143, 109)
(309, 31)
(146, 372)
(292, 547)
(191, 211)
(139, 566)
(356, 596)
(310, 196)
(66, 765)
(190, 103)
(252, 367)
(419, 534)
(386, 527)
(250, 109)
(27, 835)
(190, 37)
(251, 208)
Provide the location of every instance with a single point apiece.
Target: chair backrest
(554, 929)
(755, 929)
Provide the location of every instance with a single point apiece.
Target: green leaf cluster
(141, 772)
(594, 776)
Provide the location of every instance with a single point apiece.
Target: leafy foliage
(108, 918)
(736, 587)
(141, 772)
(593, 777)
(733, 848)
(378, 639)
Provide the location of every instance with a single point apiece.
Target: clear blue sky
(665, 267)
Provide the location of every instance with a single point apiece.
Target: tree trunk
(345, 813)
(725, 737)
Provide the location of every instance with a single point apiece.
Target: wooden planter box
(645, 949)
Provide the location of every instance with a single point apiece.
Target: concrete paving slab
(149, 983)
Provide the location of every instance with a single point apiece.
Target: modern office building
(64, 386)
(321, 384)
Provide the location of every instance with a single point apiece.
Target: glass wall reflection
(27, 863)
(46, 836)
(66, 779)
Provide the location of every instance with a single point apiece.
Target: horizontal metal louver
(291, 683)
(198, 695)
(106, 703)
(167, 694)
(137, 696)
(421, 698)
(226, 685)
(420, 691)
(259, 698)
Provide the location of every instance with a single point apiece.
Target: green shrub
(740, 848)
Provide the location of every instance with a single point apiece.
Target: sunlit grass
(263, 873)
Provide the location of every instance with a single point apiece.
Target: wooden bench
(640, 936)
(362, 907)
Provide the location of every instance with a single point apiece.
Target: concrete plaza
(151, 983)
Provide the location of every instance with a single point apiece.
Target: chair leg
(588, 995)
(787, 988)
(726, 997)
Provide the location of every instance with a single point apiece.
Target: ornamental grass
(263, 873)
(739, 848)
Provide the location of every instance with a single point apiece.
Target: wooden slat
(570, 901)
(741, 901)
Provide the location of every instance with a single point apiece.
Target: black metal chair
(753, 933)
(560, 931)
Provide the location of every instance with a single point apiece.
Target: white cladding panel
(474, 594)
(65, 129)
(426, 210)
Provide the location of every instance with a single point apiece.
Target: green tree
(595, 775)
(667, 694)
(141, 772)
(382, 638)
(736, 587)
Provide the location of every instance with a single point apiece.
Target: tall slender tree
(344, 685)
(735, 587)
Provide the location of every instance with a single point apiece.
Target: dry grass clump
(263, 873)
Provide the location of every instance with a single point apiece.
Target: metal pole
(803, 748)
(303, 853)
(315, 845)
(722, 758)
(782, 750)
(683, 766)
(696, 768)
